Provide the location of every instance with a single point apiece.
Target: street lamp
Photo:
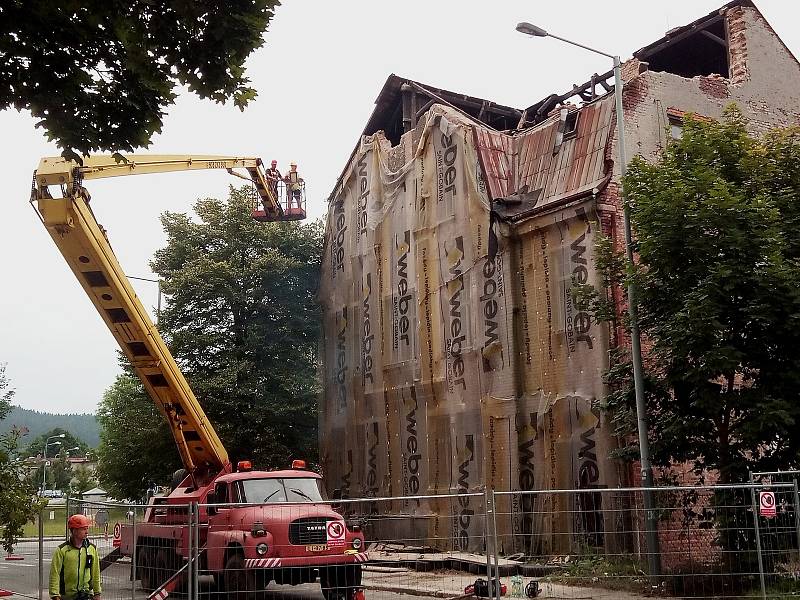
(633, 312)
(44, 467)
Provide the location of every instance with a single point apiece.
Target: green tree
(18, 503)
(68, 442)
(82, 481)
(718, 277)
(243, 323)
(99, 74)
(136, 446)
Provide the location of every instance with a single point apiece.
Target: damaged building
(454, 356)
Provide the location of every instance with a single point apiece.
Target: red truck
(260, 526)
(267, 526)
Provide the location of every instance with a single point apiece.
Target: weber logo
(446, 172)
(456, 331)
(465, 513)
(412, 458)
(341, 359)
(372, 465)
(578, 324)
(402, 299)
(337, 244)
(590, 503)
(367, 337)
(492, 288)
(526, 481)
(363, 194)
(589, 472)
(347, 477)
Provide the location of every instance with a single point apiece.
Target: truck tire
(145, 567)
(240, 583)
(338, 582)
(165, 564)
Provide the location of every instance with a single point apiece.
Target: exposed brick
(714, 86)
(737, 45)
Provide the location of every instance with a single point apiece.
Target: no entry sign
(766, 504)
(336, 533)
(117, 535)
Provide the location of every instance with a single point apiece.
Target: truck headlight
(262, 549)
(357, 543)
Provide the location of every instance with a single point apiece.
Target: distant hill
(82, 426)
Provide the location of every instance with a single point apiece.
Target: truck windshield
(289, 489)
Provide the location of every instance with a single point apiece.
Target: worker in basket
(273, 177)
(75, 568)
(294, 186)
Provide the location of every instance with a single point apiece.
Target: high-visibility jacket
(75, 569)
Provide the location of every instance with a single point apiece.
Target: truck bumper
(305, 561)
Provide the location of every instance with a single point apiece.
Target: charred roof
(402, 103)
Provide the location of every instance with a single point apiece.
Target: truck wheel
(164, 565)
(240, 583)
(338, 583)
(145, 568)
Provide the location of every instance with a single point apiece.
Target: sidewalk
(451, 584)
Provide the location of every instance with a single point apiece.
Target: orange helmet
(78, 522)
(274, 162)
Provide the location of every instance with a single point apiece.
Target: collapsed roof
(699, 48)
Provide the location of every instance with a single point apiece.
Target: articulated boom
(84, 244)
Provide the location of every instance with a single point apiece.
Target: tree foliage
(99, 74)
(242, 322)
(135, 442)
(68, 442)
(6, 393)
(82, 481)
(719, 297)
(18, 503)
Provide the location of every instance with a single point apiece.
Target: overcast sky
(317, 76)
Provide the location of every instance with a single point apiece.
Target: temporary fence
(731, 541)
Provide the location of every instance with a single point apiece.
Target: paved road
(22, 578)
(381, 584)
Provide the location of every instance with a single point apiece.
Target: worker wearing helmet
(273, 177)
(75, 569)
(294, 185)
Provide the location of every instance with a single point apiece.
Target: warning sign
(336, 533)
(117, 535)
(766, 504)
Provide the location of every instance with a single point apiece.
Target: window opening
(701, 52)
(571, 125)
(675, 128)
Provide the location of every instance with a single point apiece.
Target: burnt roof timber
(691, 27)
(541, 108)
(716, 38)
(684, 33)
(391, 91)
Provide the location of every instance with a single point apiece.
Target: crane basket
(293, 206)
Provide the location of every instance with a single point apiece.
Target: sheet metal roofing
(541, 171)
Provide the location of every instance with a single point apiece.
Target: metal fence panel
(586, 543)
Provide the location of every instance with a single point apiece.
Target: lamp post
(636, 344)
(44, 467)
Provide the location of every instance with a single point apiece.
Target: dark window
(221, 492)
(702, 52)
(571, 125)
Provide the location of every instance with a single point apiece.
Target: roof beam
(716, 38)
(681, 36)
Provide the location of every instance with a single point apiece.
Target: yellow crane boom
(84, 245)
